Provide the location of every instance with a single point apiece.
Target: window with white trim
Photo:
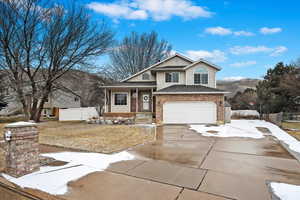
(201, 76)
(121, 99)
(172, 77)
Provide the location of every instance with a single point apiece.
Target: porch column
(105, 100)
(152, 100)
(137, 100)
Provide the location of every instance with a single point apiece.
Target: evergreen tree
(272, 97)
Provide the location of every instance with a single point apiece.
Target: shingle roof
(131, 84)
(179, 67)
(189, 89)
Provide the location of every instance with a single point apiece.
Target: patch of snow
(244, 113)
(280, 134)
(286, 191)
(247, 128)
(21, 123)
(54, 179)
(237, 128)
(146, 125)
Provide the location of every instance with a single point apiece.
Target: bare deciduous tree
(40, 44)
(3, 89)
(135, 53)
(291, 82)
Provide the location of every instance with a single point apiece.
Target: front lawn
(293, 128)
(93, 137)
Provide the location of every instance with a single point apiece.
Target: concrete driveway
(183, 165)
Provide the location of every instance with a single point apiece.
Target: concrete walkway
(183, 165)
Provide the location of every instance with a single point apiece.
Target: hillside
(235, 86)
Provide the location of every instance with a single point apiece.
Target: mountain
(238, 85)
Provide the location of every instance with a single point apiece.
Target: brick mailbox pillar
(22, 148)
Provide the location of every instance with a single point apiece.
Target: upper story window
(146, 76)
(201, 76)
(121, 99)
(76, 99)
(172, 77)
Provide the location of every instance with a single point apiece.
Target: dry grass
(92, 137)
(292, 125)
(1, 128)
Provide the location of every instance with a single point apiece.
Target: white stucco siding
(161, 81)
(120, 108)
(211, 74)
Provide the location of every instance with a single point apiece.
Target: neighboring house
(175, 90)
(61, 97)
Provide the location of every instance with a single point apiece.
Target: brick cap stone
(20, 124)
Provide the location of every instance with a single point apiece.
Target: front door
(146, 102)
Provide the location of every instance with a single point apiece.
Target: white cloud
(218, 31)
(243, 64)
(117, 10)
(159, 10)
(278, 51)
(234, 78)
(268, 31)
(213, 56)
(243, 33)
(275, 51)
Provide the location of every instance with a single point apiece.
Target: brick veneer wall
(22, 151)
(217, 98)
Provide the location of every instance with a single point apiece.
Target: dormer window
(172, 77)
(146, 76)
(201, 76)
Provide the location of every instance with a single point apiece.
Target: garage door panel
(186, 112)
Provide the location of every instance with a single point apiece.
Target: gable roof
(131, 84)
(189, 89)
(158, 63)
(167, 68)
(203, 61)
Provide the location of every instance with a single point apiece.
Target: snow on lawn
(286, 191)
(247, 128)
(54, 179)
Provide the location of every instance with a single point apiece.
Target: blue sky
(243, 37)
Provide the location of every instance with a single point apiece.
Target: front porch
(129, 102)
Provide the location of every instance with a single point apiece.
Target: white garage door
(189, 112)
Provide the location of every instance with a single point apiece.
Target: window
(120, 99)
(146, 76)
(76, 99)
(200, 76)
(172, 77)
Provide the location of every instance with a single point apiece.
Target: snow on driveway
(247, 128)
(237, 128)
(286, 191)
(54, 179)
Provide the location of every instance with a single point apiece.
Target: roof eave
(128, 86)
(191, 92)
(206, 62)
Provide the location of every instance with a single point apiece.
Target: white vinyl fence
(238, 114)
(77, 114)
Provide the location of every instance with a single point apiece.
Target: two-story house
(59, 98)
(175, 90)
